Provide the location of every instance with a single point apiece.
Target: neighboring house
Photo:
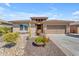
(42, 23)
(20, 26)
(4, 23)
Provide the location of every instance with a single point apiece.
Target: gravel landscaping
(49, 50)
(17, 50)
(25, 48)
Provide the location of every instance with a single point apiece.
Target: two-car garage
(56, 29)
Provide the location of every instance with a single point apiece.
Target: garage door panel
(56, 29)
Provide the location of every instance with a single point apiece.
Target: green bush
(4, 30)
(11, 37)
(39, 39)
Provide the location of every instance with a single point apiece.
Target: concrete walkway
(68, 44)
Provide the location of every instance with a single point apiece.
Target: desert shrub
(11, 37)
(4, 30)
(46, 39)
(39, 39)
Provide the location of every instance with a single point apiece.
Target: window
(24, 27)
(21, 27)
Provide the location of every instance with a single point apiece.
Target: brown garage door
(56, 29)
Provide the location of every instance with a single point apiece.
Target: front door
(39, 28)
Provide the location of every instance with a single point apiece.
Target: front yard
(25, 48)
(17, 50)
(58, 45)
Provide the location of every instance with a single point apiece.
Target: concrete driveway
(68, 44)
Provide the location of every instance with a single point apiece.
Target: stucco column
(77, 29)
(67, 29)
(44, 28)
(33, 28)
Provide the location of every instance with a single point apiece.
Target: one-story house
(45, 25)
(4, 23)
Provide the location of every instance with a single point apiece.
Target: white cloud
(2, 9)
(7, 4)
(76, 13)
(53, 9)
(7, 14)
(22, 15)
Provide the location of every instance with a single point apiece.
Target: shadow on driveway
(71, 35)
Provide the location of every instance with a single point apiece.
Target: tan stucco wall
(78, 30)
(67, 29)
(44, 28)
(16, 29)
(47, 31)
(33, 30)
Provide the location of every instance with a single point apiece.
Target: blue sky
(23, 11)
